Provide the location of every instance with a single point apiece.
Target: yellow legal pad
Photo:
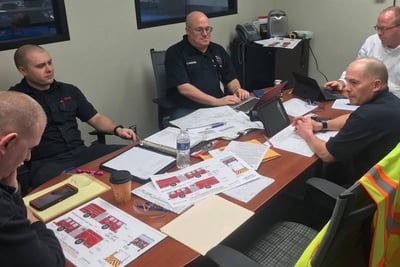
(207, 223)
(88, 188)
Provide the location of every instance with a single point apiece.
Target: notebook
(273, 116)
(254, 102)
(308, 88)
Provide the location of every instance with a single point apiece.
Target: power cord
(316, 64)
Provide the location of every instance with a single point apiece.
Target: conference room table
(169, 252)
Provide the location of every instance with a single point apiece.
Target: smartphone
(53, 197)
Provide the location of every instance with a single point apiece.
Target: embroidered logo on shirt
(218, 60)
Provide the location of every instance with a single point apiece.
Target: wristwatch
(115, 129)
(324, 126)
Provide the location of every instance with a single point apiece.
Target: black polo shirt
(63, 103)
(369, 133)
(186, 64)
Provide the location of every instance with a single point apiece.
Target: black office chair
(165, 106)
(347, 240)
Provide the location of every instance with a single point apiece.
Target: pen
(209, 126)
(269, 142)
(217, 124)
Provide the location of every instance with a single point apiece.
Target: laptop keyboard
(246, 105)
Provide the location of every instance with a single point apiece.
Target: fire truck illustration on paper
(101, 216)
(142, 241)
(234, 165)
(84, 236)
(182, 192)
(175, 180)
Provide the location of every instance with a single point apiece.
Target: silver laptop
(254, 102)
(246, 105)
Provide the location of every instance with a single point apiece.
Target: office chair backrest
(165, 105)
(349, 234)
(158, 59)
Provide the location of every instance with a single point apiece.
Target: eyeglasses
(201, 30)
(149, 209)
(385, 29)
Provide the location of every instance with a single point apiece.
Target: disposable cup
(121, 185)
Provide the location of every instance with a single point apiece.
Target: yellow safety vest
(381, 182)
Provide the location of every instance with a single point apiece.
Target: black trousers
(41, 171)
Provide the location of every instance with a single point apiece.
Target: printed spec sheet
(203, 179)
(99, 234)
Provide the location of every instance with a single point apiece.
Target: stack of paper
(233, 122)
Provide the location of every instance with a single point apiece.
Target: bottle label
(183, 146)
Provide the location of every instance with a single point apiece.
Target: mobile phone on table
(53, 197)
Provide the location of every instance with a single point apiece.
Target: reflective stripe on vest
(381, 182)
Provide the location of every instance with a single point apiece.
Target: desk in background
(284, 170)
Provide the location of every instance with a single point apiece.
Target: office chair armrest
(327, 187)
(164, 103)
(226, 256)
(101, 136)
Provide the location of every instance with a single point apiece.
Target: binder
(141, 161)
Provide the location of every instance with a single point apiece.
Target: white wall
(340, 27)
(108, 57)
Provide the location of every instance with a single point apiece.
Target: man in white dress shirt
(384, 45)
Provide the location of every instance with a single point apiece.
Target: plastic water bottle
(183, 149)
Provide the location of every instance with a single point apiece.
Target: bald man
(367, 134)
(199, 72)
(24, 240)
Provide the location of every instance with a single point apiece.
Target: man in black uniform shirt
(199, 72)
(61, 146)
(24, 240)
(367, 134)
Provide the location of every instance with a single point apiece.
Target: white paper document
(231, 122)
(203, 179)
(167, 138)
(150, 193)
(289, 140)
(297, 107)
(99, 234)
(279, 42)
(248, 191)
(251, 153)
(344, 104)
(140, 162)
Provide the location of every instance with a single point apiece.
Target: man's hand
(303, 126)
(126, 133)
(227, 100)
(338, 85)
(242, 94)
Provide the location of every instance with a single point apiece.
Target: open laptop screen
(273, 116)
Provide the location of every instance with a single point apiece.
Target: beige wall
(108, 58)
(340, 27)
